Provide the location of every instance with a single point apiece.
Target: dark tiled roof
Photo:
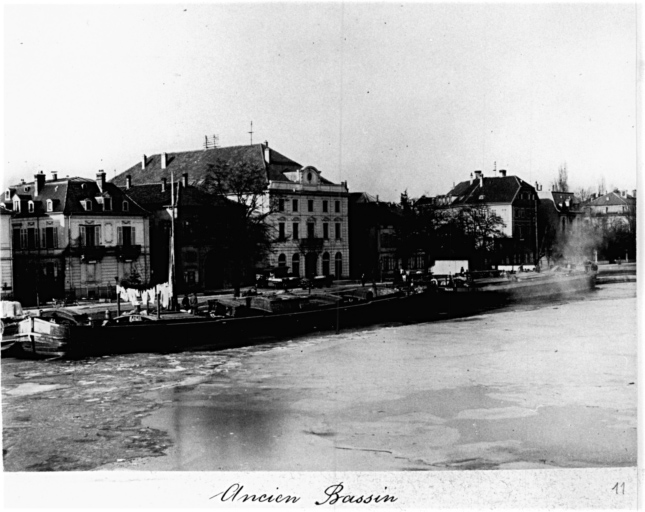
(66, 195)
(152, 196)
(361, 197)
(495, 190)
(197, 164)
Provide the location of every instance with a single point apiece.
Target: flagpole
(171, 270)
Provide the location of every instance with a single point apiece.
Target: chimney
(480, 177)
(143, 162)
(634, 193)
(163, 184)
(502, 173)
(164, 160)
(267, 152)
(39, 183)
(128, 182)
(100, 179)
(184, 179)
(54, 175)
(471, 178)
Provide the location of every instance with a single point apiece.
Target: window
(325, 206)
(310, 229)
(337, 206)
(190, 277)
(30, 206)
(32, 235)
(338, 260)
(310, 205)
(325, 264)
(296, 229)
(7, 195)
(282, 260)
(125, 236)
(107, 204)
(126, 206)
(309, 176)
(90, 236)
(49, 238)
(280, 205)
(337, 226)
(50, 205)
(281, 231)
(294, 205)
(326, 230)
(16, 239)
(295, 264)
(87, 205)
(16, 205)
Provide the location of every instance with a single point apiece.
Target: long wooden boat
(141, 332)
(234, 323)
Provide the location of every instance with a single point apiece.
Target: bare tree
(602, 187)
(561, 183)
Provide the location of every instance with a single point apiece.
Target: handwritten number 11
(619, 488)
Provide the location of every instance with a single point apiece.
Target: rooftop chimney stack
(480, 177)
(164, 182)
(54, 175)
(100, 179)
(184, 179)
(164, 160)
(143, 162)
(502, 173)
(128, 182)
(39, 183)
(471, 178)
(267, 152)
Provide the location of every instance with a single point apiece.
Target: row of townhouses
(80, 237)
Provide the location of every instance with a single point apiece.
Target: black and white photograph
(318, 254)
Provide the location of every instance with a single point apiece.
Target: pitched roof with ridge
(197, 164)
(501, 189)
(613, 199)
(66, 195)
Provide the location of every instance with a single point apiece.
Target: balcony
(128, 252)
(311, 244)
(91, 254)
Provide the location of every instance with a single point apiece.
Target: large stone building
(514, 201)
(307, 213)
(75, 236)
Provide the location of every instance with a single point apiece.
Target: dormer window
(309, 176)
(107, 204)
(16, 206)
(50, 205)
(87, 205)
(7, 195)
(30, 206)
(126, 206)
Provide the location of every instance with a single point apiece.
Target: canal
(547, 384)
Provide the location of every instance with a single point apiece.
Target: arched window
(325, 264)
(30, 206)
(126, 206)
(282, 260)
(338, 260)
(50, 205)
(295, 264)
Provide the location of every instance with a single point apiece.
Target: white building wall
(6, 256)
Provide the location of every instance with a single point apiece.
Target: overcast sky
(385, 96)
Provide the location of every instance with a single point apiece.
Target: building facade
(511, 199)
(310, 219)
(306, 213)
(75, 237)
(6, 254)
